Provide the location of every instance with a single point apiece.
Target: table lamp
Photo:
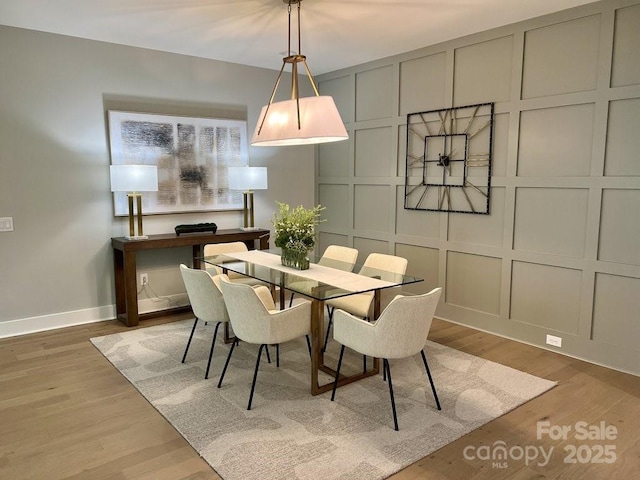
(134, 179)
(248, 179)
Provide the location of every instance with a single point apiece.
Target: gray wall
(560, 252)
(54, 175)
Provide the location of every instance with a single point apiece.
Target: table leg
(376, 314)
(317, 356)
(281, 294)
(317, 317)
(227, 334)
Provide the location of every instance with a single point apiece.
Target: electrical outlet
(555, 341)
(144, 279)
(6, 224)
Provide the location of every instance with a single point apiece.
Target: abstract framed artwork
(192, 155)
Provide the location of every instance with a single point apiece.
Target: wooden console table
(124, 263)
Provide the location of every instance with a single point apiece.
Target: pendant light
(299, 121)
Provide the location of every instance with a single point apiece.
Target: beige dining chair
(256, 320)
(401, 331)
(383, 266)
(334, 256)
(212, 249)
(207, 303)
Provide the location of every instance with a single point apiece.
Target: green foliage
(296, 227)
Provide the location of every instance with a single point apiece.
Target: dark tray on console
(196, 228)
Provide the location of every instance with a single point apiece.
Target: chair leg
(193, 329)
(433, 387)
(255, 376)
(335, 382)
(385, 365)
(326, 337)
(268, 356)
(308, 344)
(226, 364)
(213, 344)
(364, 363)
(291, 299)
(277, 355)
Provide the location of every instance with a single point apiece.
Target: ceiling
(335, 33)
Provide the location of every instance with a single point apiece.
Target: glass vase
(294, 259)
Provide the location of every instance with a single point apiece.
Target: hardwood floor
(65, 412)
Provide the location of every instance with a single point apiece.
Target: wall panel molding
(564, 232)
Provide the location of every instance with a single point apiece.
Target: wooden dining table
(318, 284)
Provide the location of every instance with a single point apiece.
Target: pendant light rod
(324, 110)
(299, 43)
(293, 60)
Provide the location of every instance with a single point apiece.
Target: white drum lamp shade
(134, 179)
(320, 122)
(248, 179)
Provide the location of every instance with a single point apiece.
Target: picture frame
(192, 154)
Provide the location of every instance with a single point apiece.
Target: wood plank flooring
(66, 413)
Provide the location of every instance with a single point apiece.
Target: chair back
(403, 326)
(204, 295)
(337, 256)
(387, 267)
(212, 249)
(248, 315)
(220, 248)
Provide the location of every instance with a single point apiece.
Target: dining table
(318, 284)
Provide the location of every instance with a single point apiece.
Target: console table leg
(118, 270)
(131, 316)
(197, 252)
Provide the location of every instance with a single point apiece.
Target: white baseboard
(24, 326)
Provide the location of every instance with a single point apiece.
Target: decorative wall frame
(448, 162)
(192, 156)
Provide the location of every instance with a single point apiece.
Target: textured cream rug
(290, 434)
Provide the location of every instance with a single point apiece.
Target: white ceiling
(335, 33)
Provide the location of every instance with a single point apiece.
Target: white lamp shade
(320, 122)
(134, 178)
(247, 178)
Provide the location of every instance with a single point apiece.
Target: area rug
(291, 434)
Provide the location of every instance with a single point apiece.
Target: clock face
(449, 153)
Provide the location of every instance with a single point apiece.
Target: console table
(124, 263)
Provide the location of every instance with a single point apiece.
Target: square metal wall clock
(449, 154)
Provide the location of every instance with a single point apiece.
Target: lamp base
(136, 237)
(250, 229)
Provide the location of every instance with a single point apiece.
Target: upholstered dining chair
(206, 301)
(334, 256)
(387, 267)
(212, 249)
(254, 319)
(400, 331)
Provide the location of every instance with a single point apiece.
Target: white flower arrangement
(295, 230)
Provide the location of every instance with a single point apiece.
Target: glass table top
(330, 280)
